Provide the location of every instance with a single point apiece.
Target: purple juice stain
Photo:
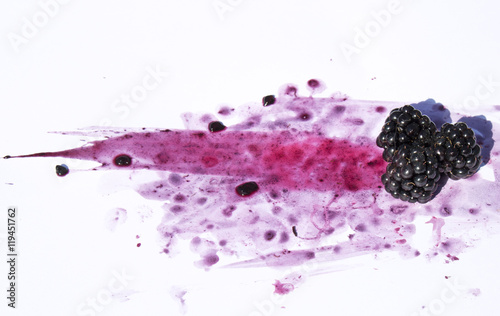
(283, 288)
(303, 174)
(315, 86)
(210, 260)
(115, 217)
(305, 116)
(269, 235)
(225, 111)
(290, 90)
(313, 83)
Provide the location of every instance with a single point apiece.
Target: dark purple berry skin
(123, 160)
(405, 126)
(62, 170)
(268, 100)
(413, 174)
(216, 126)
(247, 188)
(455, 147)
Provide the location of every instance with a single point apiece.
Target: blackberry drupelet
(459, 155)
(405, 126)
(413, 174)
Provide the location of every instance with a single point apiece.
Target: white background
(67, 69)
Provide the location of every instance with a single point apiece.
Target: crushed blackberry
(405, 126)
(268, 100)
(455, 147)
(247, 188)
(216, 126)
(413, 174)
(62, 170)
(123, 160)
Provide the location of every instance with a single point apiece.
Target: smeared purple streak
(291, 160)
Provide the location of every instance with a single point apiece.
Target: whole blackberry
(459, 155)
(405, 126)
(413, 174)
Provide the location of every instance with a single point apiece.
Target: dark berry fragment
(123, 160)
(216, 126)
(268, 100)
(247, 188)
(62, 170)
(413, 174)
(405, 126)
(456, 149)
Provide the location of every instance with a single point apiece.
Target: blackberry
(413, 174)
(405, 126)
(459, 155)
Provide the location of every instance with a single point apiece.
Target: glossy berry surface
(405, 126)
(413, 174)
(458, 153)
(62, 170)
(216, 126)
